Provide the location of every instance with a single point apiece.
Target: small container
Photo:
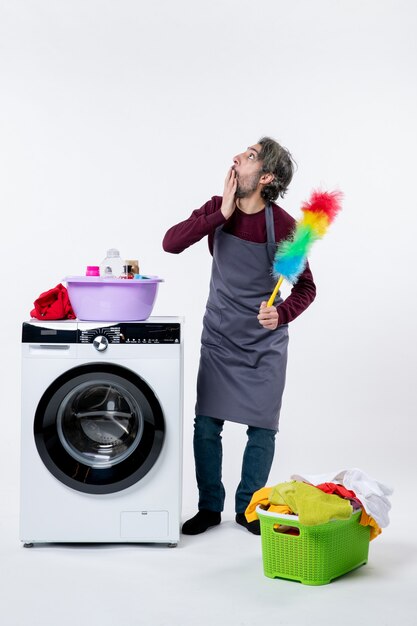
(127, 272)
(135, 265)
(112, 265)
(92, 270)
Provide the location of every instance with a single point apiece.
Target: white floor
(215, 578)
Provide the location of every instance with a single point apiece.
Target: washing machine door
(99, 428)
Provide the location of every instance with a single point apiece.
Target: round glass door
(99, 428)
(100, 423)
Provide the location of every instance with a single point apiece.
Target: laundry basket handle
(283, 523)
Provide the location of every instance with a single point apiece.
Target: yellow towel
(312, 505)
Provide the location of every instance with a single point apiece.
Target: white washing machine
(101, 455)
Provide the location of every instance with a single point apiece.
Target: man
(243, 359)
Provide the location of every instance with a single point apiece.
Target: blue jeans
(208, 454)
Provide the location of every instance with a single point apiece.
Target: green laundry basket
(316, 555)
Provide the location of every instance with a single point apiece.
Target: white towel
(371, 493)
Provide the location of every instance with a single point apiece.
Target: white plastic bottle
(112, 265)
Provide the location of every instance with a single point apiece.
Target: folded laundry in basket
(312, 505)
(53, 304)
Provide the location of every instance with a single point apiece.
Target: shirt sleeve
(301, 296)
(202, 222)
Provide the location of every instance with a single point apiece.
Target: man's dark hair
(278, 161)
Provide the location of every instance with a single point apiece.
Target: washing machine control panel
(100, 337)
(100, 334)
(133, 333)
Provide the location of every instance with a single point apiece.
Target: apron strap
(270, 232)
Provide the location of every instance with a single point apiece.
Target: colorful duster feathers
(291, 255)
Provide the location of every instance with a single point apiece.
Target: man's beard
(246, 188)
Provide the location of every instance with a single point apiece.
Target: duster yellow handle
(274, 293)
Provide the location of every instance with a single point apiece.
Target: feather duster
(291, 255)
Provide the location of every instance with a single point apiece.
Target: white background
(120, 118)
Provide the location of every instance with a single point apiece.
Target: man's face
(247, 166)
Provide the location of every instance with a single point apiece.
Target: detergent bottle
(112, 265)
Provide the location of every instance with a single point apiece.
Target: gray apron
(242, 369)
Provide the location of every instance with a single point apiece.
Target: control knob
(100, 343)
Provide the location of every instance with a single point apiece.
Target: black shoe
(253, 527)
(201, 522)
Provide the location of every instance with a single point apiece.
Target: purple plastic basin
(112, 299)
